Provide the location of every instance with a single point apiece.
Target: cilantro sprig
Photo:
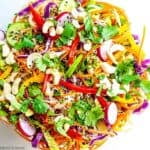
(84, 113)
(68, 34)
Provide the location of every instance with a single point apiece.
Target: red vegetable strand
(74, 134)
(37, 17)
(82, 89)
(73, 50)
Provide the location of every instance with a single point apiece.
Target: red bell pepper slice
(74, 134)
(37, 17)
(46, 80)
(82, 89)
(103, 102)
(73, 50)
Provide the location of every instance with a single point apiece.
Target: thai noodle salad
(71, 73)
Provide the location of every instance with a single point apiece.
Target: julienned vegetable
(74, 134)
(142, 107)
(73, 50)
(37, 17)
(50, 141)
(81, 73)
(82, 89)
(37, 139)
(97, 138)
(74, 66)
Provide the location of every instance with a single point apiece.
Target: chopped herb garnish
(39, 106)
(83, 112)
(25, 105)
(14, 118)
(68, 34)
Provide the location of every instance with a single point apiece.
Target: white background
(137, 135)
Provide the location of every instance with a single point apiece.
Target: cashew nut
(15, 86)
(31, 58)
(7, 89)
(76, 23)
(10, 59)
(59, 30)
(49, 92)
(46, 26)
(12, 77)
(114, 48)
(108, 68)
(87, 46)
(52, 31)
(5, 50)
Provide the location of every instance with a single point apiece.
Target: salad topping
(71, 73)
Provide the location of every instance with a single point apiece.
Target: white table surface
(137, 135)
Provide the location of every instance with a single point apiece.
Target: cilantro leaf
(39, 106)
(3, 113)
(34, 90)
(89, 34)
(94, 38)
(14, 118)
(40, 64)
(109, 31)
(78, 110)
(25, 105)
(25, 42)
(47, 61)
(39, 38)
(93, 116)
(125, 72)
(69, 31)
(126, 79)
(88, 24)
(61, 123)
(68, 34)
(84, 113)
(21, 91)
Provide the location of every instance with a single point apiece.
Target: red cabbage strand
(37, 139)
(142, 107)
(48, 8)
(27, 9)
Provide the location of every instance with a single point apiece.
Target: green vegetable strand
(74, 66)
